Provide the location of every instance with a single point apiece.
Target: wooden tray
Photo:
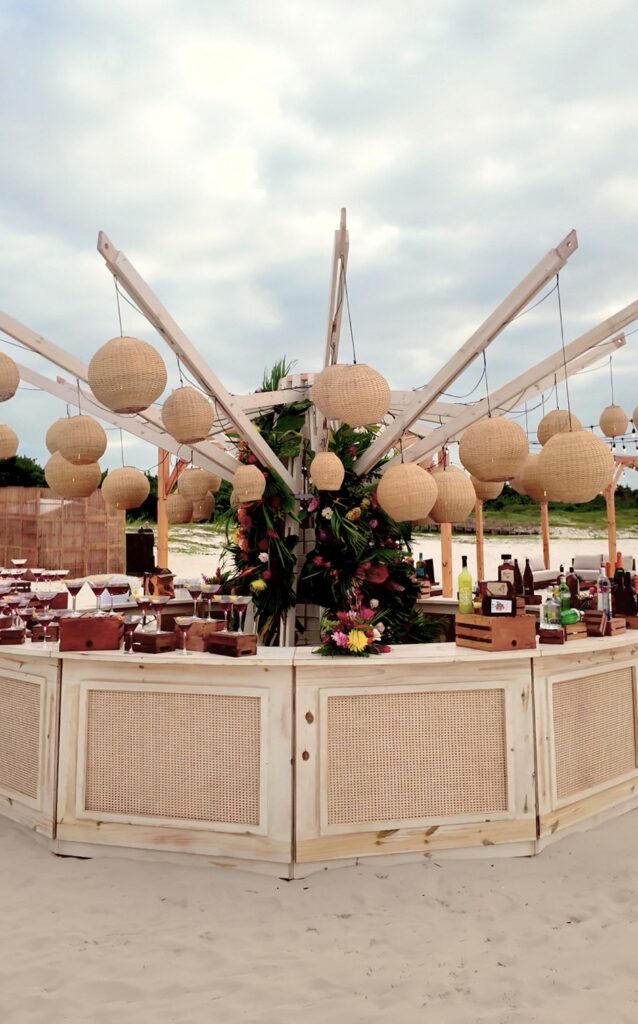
(493, 633)
(615, 625)
(91, 633)
(233, 645)
(154, 643)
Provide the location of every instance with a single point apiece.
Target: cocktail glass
(226, 604)
(19, 562)
(210, 594)
(195, 591)
(98, 587)
(117, 589)
(184, 623)
(131, 622)
(157, 603)
(241, 604)
(45, 616)
(74, 587)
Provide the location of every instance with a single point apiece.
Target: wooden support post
(480, 549)
(610, 501)
(446, 559)
(545, 532)
(162, 518)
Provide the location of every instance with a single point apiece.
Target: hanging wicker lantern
(575, 467)
(125, 488)
(51, 439)
(214, 482)
(203, 508)
(530, 479)
(80, 440)
(323, 389)
(493, 449)
(558, 421)
(71, 481)
(178, 508)
(326, 471)
(193, 484)
(456, 496)
(8, 442)
(127, 375)
(613, 421)
(406, 492)
(249, 483)
(234, 500)
(9, 378)
(485, 491)
(358, 395)
(634, 418)
(516, 483)
(188, 415)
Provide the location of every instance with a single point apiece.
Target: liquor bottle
(518, 578)
(573, 583)
(629, 600)
(528, 580)
(420, 568)
(569, 616)
(564, 593)
(506, 569)
(466, 603)
(619, 572)
(551, 611)
(603, 589)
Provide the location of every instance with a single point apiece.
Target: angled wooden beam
(337, 287)
(516, 301)
(164, 324)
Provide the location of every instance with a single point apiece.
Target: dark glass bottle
(518, 578)
(528, 580)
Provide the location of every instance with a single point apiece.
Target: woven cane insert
(19, 736)
(398, 756)
(174, 755)
(594, 731)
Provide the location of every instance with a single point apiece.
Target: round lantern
(358, 395)
(187, 415)
(127, 375)
(248, 484)
(406, 492)
(634, 418)
(8, 442)
(493, 449)
(214, 482)
(203, 508)
(125, 488)
(51, 439)
(81, 440)
(326, 471)
(485, 491)
(178, 508)
(613, 421)
(530, 479)
(193, 484)
(455, 498)
(322, 390)
(558, 421)
(575, 467)
(71, 481)
(9, 378)
(234, 500)
(516, 483)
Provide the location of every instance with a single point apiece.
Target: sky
(216, 142)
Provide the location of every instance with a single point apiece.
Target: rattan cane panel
(174, 755)
(19, 736)
(594, 730)
(401, 756)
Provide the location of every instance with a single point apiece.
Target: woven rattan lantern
(214, 482)
(203, 508)
(51, 439)
(323, 390)
(516, 483)
(248, 483)
(9, 378)
(634, 418)
(326, 471)
(193, 484)
(493, 449)
(80, 440)
(234, 500)
(8, 442)
(485, 491)
(358, 395)
(613, 421)
(558, 421)
(456, 496)
(530, 479)
(187, 415)
(127, 375)
(406, 492)
(575, 467)
(71, 481)
(125, 488)
(178, 508)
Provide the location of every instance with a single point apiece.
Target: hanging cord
(77, 381)
(526, 422)
(179, 370)
(556, 390)
(345, 289)
(562, 341)
(487, 386)
(122, 446)
(401, 449)
(611, 380)
(119, 311)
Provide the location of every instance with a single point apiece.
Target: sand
(110, 941)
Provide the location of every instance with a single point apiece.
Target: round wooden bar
(288, 762)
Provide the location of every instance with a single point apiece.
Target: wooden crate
(91, 633)
(233, 645)
(615, 625)
(200, 634)
(576, 631)
(631, 621)
(492, 633)
(551, 636)
(154, 643)
(596, 622)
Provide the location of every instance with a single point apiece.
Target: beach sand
(109, 941)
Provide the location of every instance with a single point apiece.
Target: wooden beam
(446, 559)
(164, 324)
(336, 295)
(610, 502)
(480, 546)
(162, 517)
(516, 301)
(545, 533)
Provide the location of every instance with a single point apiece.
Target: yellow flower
(258, 586)
(353, 515)
(357, 640)
(365, 503)
(236, 537)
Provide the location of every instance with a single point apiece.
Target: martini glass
(144, 605)
(210, 594)
(74, 587)
(98, 587)
(226, 604)
(241, 607)
(131, 622)
(195, 591)
(157, 603)
(19, 563)
(118, 589)
(45, 616)
(184, 623)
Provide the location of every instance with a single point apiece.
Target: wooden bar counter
(289, 762)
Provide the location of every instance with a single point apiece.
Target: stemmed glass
(131, 622)
(143, 602)
(225, 602)
(157, 603)
(74, 587)
(195, 591)
(241, 607)
(19, 563)
(210, 594)
(46, 616)
(184, 623)
(98, 587)
(117, 589)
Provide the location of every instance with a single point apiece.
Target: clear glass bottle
(466, 603)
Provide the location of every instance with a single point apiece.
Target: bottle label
(507, 575)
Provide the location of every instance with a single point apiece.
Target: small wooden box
(5, 621)
(91, 633)
(615, 625)
(551, 636)
(492, 633)
(12, 635)
(233, 645)
(632, 621)
(576, 631)
(200, 634)
(37, 633)
(596, 622)
(154, 643)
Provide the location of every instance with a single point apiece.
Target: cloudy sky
(215, 143)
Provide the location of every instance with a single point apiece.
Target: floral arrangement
(358, 632)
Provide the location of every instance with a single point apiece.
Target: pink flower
(384, 649)
(271, 533)
(341, 639)
(396, 586)
(323, 535)
(251, 460)
(378, 574)
(374, 523)
(317, 560)
(313, 504)
(367, 614)
(266, 574)
(334, 574)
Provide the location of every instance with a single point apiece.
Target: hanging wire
(345, 289)
(401, 448)
(122, 446)
(611, 380)
(562, 341)
(179, 370)
(119, 311)
(487, 386)
(77, 381)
